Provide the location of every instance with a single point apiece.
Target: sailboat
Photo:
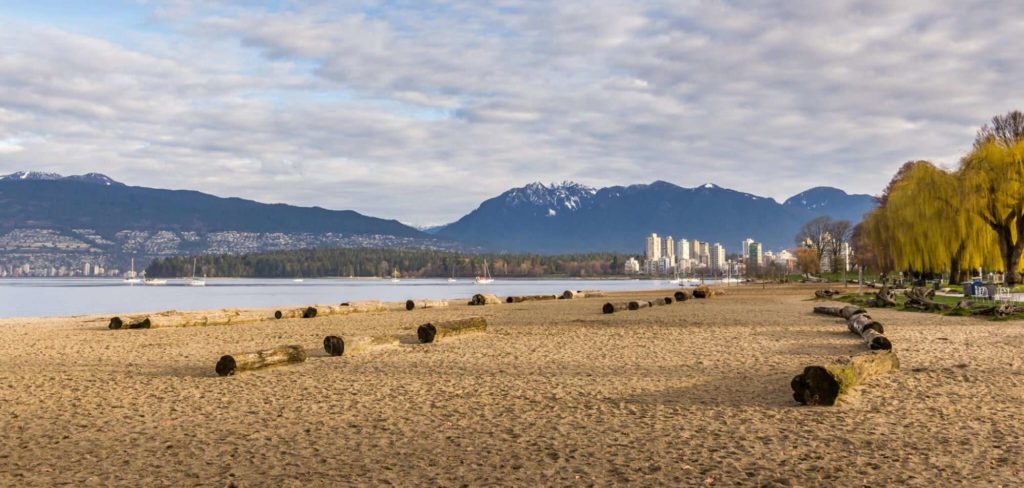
(130, 277)
(452, 279)
(394, 276)
(152, 281)
(195, 281)
(486, 278)
(676, 280)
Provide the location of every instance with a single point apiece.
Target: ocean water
(44, 297)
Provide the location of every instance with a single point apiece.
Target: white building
(716, 257)
(631, 267)
(653, 249)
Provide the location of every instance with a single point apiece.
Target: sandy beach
(555, 393)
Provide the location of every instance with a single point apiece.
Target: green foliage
(368, 262)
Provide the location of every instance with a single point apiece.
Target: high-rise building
(695, 250)
(653, 247)
(669, 250)
(745, 248)
(755, 254)
(716, 257)
(683, 252)
(705, 254)
(631, 267)
(86, 269)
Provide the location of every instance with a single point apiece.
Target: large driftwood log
(484, 299)
(328, 310)
(683, 295)
(884, 297)
(571, 294)
(870, 330)
(844, 312)
(921, 299)
(413, 304)
(229, 365)
(615, 307)
(336, 346)
(998, 310)
(702, 291)
(638, 304)
(174, 318)
(530, 298)
(296, 313)
(437, 330)
(657, 302)
(824, 385)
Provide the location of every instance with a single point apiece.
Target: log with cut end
(825, 385)
(844, 312)
(296, 313)
(530, 298)
(702, 291)
(174, 318)
(885, 297)
(413, 304)
(437, 330)
(484, 299)
(638, 304)
(683, 295)
(657, 302)
(615, 307)
(229, 365)
(571, 294)
(921, 299)
(870, 330)
(336, 346)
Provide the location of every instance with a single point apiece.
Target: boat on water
(152, 281)
(193, 281)
(486, 278)
(452, 278)
(394, 276)
(676, 280)
(298, 280)
(130, 278)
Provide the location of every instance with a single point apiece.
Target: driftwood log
(571, 294)
(702, 291)
(484, 299)
(413, 304)
(884, 297)
(530, 298)
(296, 313)
(827, 293)
(336, 346)
(998, 310)
(860, 323)
(824, 385)
(174, 318)
(327, 310)
(615, 307)
(437, 330)
(921, 299)
(844, 312)
(229, 365)
(657, 302)
(683, 295)
(638, 304)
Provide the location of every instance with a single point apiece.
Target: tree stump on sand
(229, 365)
(638, 304)
(615, 307)
(530, 298)
(336, 346)
(824, 385)
(484, 299)
(683, 295)
(702, 291)
(437, 330)
(413, 304)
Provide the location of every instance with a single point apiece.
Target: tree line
(369, 262)
(938, 220)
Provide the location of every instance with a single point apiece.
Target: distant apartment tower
(755, 254)
(745, 248)
(631, 267)
(653, 249)
(716, 257)
(705, 254)
(695, 250)
(669, 250)
(683, 250)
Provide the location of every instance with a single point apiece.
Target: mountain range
(570, 217)
(45, 214)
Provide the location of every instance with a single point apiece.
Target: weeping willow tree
(921, 225)
(993, 180)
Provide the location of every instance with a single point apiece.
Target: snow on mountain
(95, 178)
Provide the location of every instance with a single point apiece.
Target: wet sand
(555, 393)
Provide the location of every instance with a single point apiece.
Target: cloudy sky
(418, 110)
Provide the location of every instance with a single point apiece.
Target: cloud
(419, 110)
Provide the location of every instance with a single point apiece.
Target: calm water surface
(41, 297)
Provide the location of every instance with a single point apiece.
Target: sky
(420, 110)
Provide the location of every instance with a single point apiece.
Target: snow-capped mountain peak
(94, 178)
(567, 196)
